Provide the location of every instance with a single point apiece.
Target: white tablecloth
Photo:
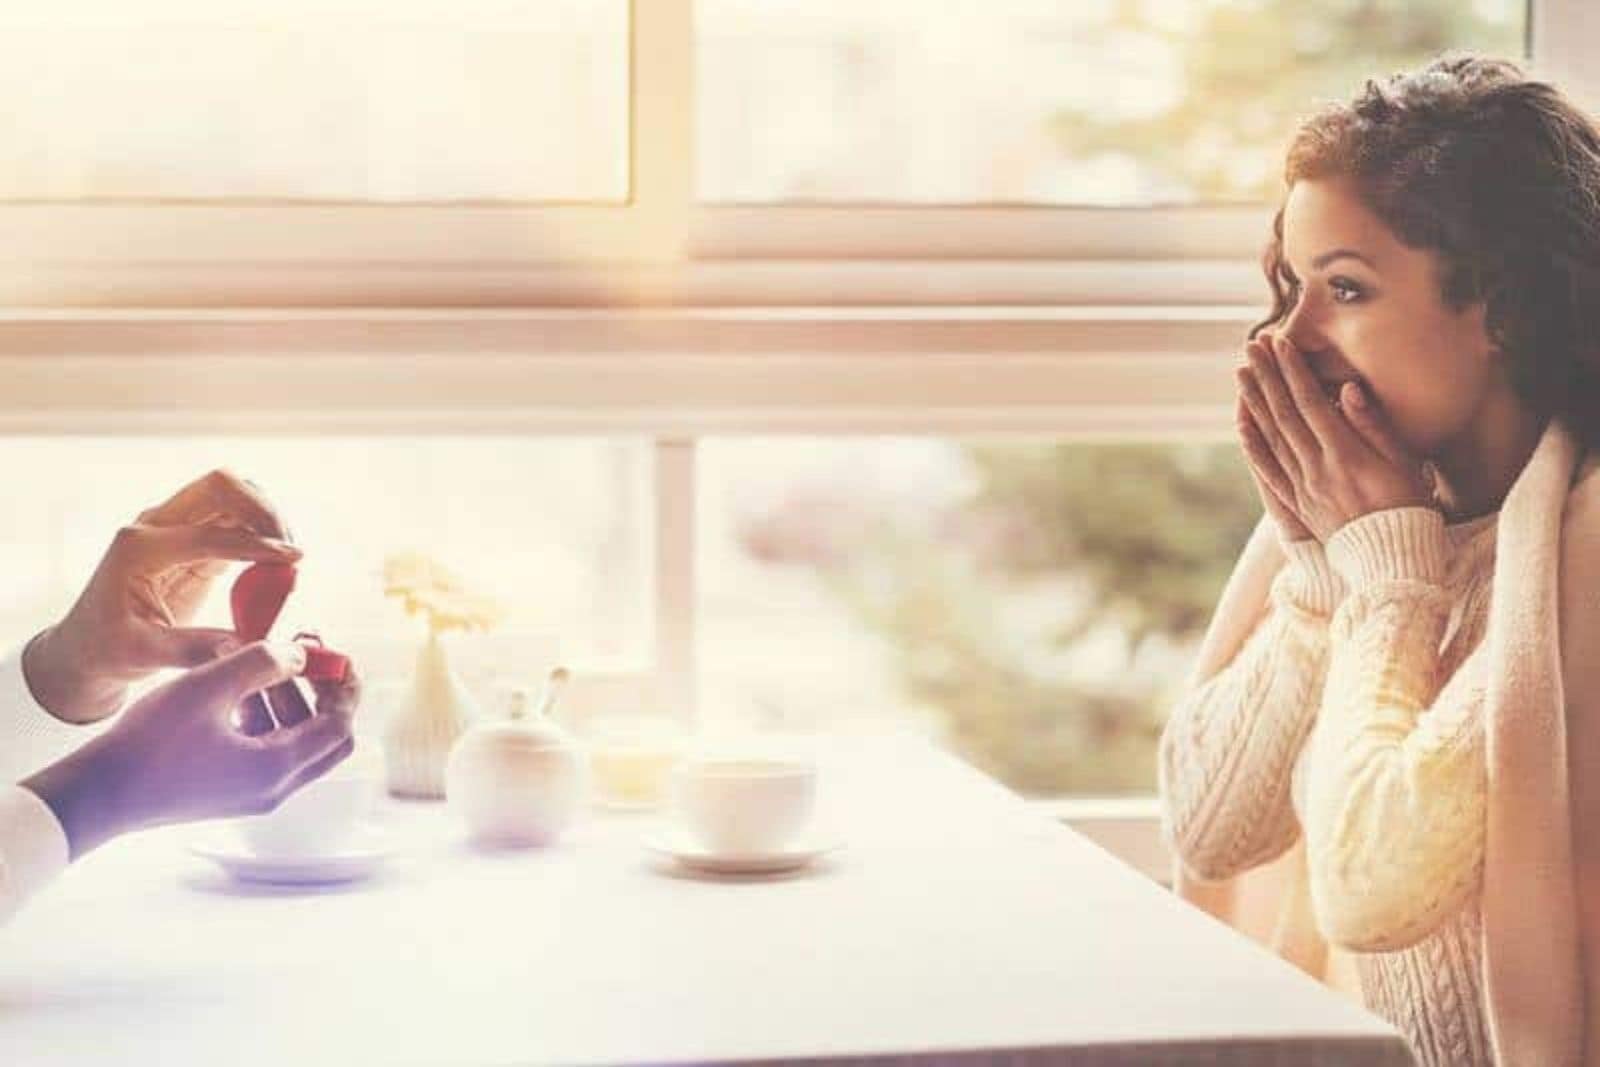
(958, 925)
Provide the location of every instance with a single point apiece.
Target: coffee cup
(738, 805)
(317, 819)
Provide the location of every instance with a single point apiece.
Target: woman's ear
(1476, 339)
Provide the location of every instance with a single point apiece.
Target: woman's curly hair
(1499, 176)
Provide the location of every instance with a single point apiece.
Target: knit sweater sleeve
(1396, 791)
(1229, 746)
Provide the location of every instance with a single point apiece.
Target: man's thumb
(167, 646)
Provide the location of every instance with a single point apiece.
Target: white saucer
(361, 857)
(676, 844)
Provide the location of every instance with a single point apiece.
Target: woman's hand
(1324, 464)
(132, 617)
(179, 753)
(1282, 511)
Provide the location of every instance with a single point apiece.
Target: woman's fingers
(1264, 461)
(1373, 427)
(1285, 413)
(1307, 394)
(1259, 418)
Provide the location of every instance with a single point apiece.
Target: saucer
(360, 857)
(675, 843)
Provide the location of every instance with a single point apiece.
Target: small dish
(676, 844)
(361, 857)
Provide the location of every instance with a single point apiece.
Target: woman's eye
(1345, 291)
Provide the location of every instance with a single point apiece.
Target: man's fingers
(149, 547)
(319, 767)
(255, 717)
(227, 681)
(339, 698)
(288, 704)
(222, 494)
(291, 750)
(156, 645)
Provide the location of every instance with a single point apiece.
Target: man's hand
(1329, 464)
(132, 617)
(180, 753)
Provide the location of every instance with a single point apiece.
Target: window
(606, 152)
(1032, 604)
(1039, 102)
(368, 102)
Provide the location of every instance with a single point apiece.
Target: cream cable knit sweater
(1354, 713)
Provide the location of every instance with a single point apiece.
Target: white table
(959, 925)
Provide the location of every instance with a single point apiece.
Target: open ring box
(257, 599)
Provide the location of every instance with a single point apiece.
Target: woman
(1399, 694)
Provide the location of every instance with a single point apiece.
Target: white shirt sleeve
(30, 737)
(33, 847)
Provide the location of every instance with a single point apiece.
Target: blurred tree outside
(1250, 68)
(1050, 616)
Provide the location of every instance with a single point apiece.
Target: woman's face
(1368, 307)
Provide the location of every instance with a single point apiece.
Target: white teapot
(521, 780)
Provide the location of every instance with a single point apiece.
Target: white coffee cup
(316, 819)
(737, 805)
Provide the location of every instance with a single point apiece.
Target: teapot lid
(526, 724)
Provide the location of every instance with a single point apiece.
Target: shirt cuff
(1310, 580)
(1398, 544)
(30, 737)
(33, 847)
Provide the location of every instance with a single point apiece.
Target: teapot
(520, 780)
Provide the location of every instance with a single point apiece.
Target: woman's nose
(1300, 329)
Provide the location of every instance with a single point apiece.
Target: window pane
(572, 565)
(1041, 101)
(1033, 605)
(349, 100)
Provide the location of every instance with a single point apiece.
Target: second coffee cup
(732, 805)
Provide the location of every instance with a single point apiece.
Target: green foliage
(1251, 67)
(1058, 544)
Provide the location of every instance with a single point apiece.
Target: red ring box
(257, 599)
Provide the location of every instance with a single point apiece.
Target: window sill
(1147, 370)
(697, 283)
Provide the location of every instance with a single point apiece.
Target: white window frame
(135, 253)
(658, 316)
(661, 248)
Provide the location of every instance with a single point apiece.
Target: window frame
(660, 248)
(210, 253)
